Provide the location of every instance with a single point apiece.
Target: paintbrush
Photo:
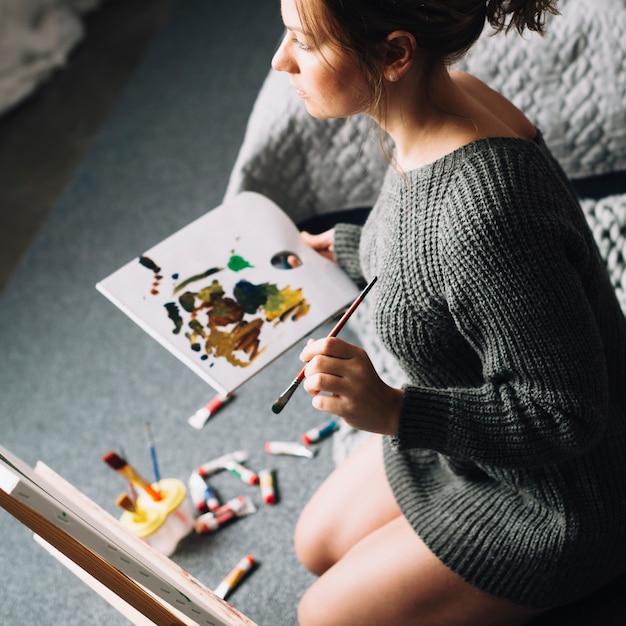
(284, 397)
(153, 454)
(131, 487)
(120, 465)
(125, 502)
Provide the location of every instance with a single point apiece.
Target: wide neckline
(452, 159)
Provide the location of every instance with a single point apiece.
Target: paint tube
(291, 448)
(219, 464)
(202, 415)
(320, 432)
(203, 497)
(246, 475)
(268, 488)
(233, 509)
(235, 576)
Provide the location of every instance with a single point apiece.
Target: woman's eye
(301, 44)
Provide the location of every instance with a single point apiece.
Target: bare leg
(373, 567)
(353, 501)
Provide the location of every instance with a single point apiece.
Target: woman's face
(327, 79)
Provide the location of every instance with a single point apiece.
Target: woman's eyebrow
(296, 29)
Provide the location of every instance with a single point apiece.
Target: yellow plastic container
(165, 522)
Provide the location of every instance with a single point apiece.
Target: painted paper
(231, 291)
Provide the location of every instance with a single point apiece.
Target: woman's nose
(281, 61)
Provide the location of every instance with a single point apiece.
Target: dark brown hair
(443, 29)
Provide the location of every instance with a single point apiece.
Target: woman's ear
(400, 47)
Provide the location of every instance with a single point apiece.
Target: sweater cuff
(423, 419)
(346, 242)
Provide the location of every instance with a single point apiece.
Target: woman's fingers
(328, 346)
(322, 243)
(342, 381)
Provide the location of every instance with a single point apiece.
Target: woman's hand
(351, 387)
(322, 243)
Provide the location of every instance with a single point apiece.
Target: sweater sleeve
(346, 243)
(517, 272)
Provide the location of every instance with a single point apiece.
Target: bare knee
(337, 516)
(311, 611)
(311, 545)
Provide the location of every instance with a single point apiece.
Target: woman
(494, 486)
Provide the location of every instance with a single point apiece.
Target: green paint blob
(237, 263)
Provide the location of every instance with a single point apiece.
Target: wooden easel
(137, 579)
(92, 563)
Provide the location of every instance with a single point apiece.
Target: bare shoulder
(495, 104)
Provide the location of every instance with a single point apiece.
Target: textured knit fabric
(510, 460)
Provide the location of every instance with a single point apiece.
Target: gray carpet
(77, 378)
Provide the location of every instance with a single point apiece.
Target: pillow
(607, 219)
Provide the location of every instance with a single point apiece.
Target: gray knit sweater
(510, 460)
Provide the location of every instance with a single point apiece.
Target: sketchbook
(230, 292)
(96, 542)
